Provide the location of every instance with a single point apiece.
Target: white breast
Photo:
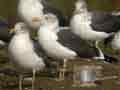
(22, 53)
(48, 41)
(80, 25)
(116, 41)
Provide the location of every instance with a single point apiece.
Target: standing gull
(90, 26)
(22, 53)
(47, 38)
(63, 44)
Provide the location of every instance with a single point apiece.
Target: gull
(22, 53)
(92, 26)
(63, 44)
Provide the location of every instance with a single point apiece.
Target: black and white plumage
(22, 53)
(63, 44)
(105, 22)
(113, 41)
(92, 26)
(83, 49)
(47, 38)
(73, 42)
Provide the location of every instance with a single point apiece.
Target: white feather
(21, 52)
(80, 23)
(116, 41)
(48, 41)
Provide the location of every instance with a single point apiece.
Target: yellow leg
(33, 79)
(20, 81)
(62, 71)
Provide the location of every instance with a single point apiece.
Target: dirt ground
(45, 80)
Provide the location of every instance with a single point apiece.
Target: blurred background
(8, 7)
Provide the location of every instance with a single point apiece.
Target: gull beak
(36, 19)
(11, 31)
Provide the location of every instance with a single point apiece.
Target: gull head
(80, 6)
(50, 20)
(19, 27)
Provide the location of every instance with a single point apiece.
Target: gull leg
(58, 69)
(64, 68)
(20, 81)
(106, 58)
(33, 79)
(101, 55)
(62, 71)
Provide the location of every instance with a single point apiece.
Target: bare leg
(64, 68)
(20, 81)
(65, 63)
(62, 71)
(33, 79)
(101, 55)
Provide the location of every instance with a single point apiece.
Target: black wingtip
(109, 39)
(110, 59)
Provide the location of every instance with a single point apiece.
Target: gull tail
(109, 39)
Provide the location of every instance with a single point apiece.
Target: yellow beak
(36, 19)
(11, 31)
